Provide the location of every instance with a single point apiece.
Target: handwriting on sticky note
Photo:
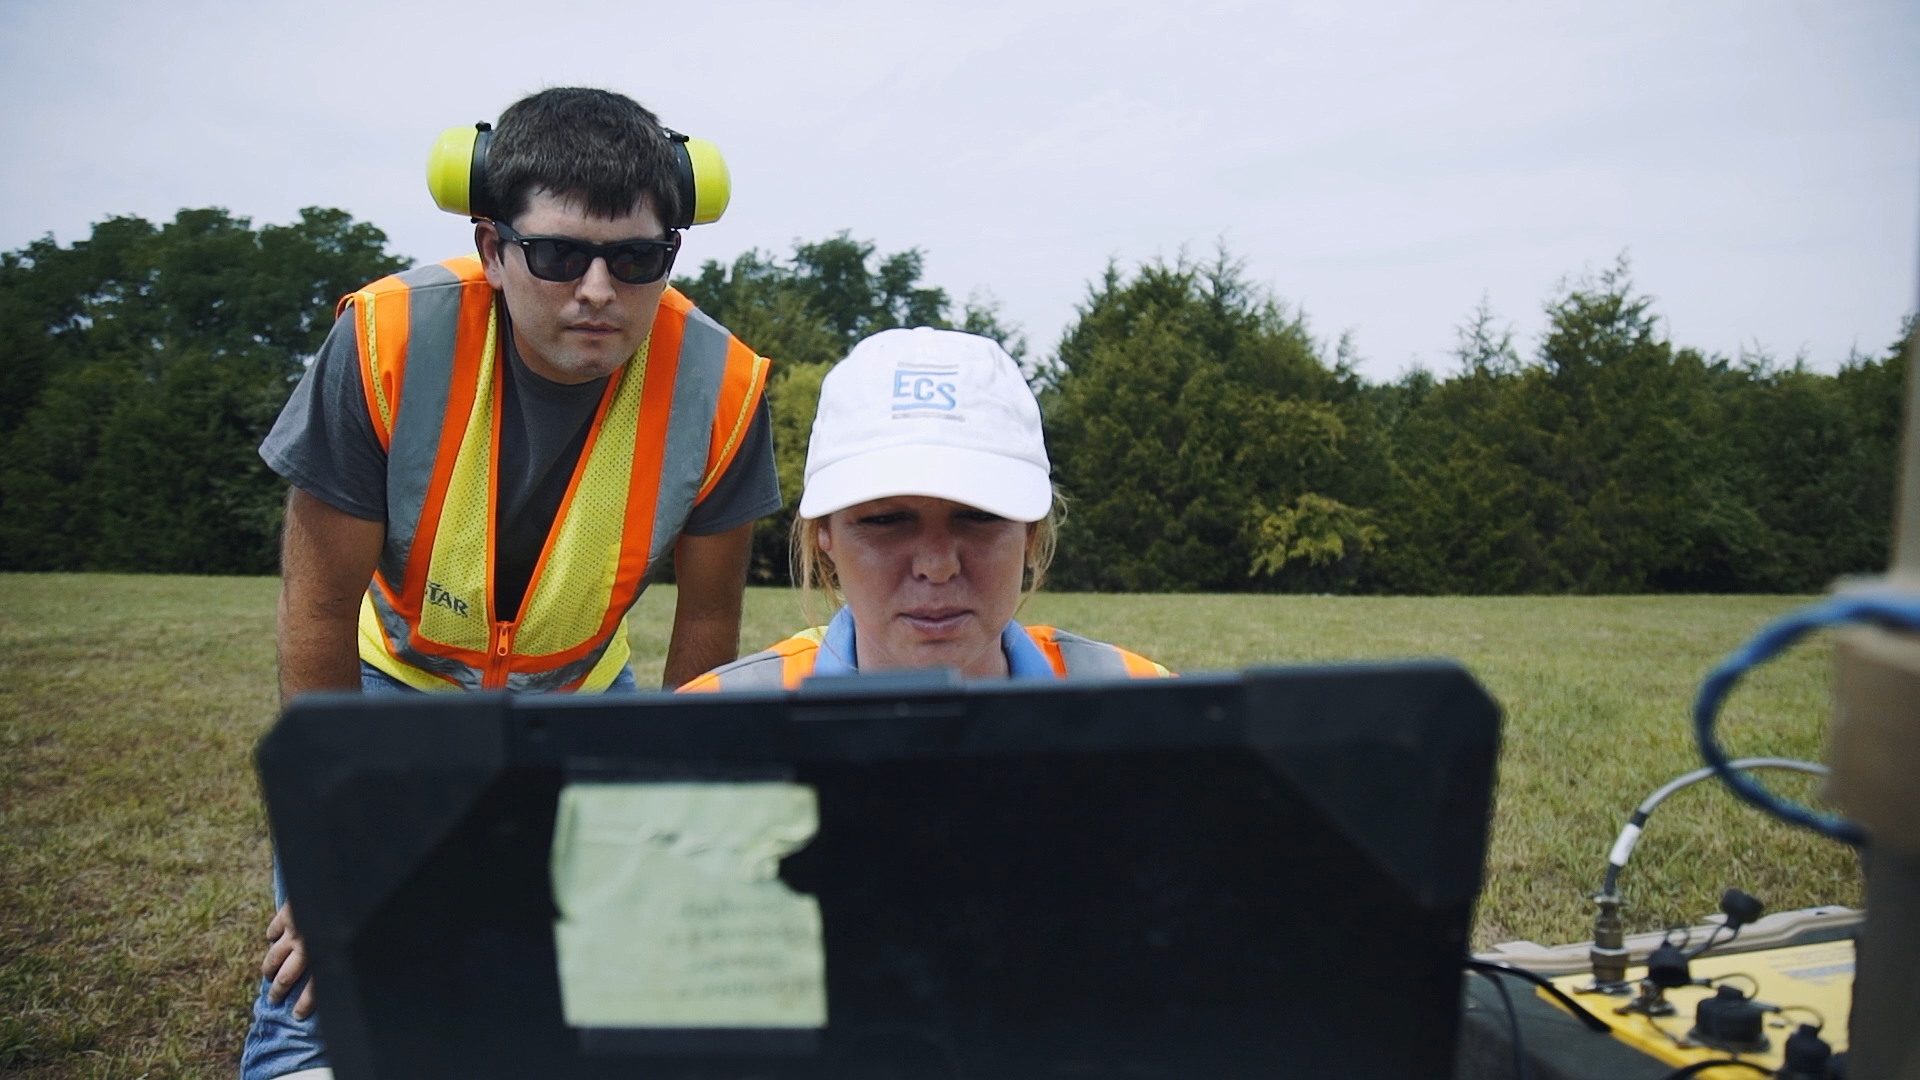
(672, 913)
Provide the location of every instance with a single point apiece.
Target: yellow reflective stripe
(619, 652)
(575, 582)
(363, 303)
(454, 610)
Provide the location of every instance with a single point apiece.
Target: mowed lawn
(134, 853)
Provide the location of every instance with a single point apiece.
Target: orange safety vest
(784, 664)
(667, 427)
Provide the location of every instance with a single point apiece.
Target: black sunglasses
(562, 258)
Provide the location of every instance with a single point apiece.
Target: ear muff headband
(457, 175)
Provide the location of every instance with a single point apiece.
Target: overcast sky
(1381, 165)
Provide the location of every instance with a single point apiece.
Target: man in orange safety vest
(491, 458)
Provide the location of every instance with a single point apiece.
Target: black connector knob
(1740, 908)
(1729, 1020)
(1667, 967)
(1806, 1056)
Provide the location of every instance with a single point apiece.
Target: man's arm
(327, 558)
(712, 572)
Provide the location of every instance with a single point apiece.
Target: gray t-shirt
(325, 445)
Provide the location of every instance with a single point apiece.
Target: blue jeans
(277, 1043)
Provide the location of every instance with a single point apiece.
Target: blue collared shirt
(836, 655)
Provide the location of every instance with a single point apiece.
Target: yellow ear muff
(712, 183)
(705, 185)
(457, 170)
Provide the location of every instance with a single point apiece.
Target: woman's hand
(285, 962)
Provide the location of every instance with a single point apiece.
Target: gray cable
(1630, 833)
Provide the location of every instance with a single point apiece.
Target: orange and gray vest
(667, 427)
(784, 664)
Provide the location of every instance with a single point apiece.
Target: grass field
(134, 855)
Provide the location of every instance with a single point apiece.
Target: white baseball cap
(928, 412)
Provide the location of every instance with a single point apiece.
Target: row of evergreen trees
(1205, 438)
(1210, 444)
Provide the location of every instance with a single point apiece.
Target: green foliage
(1814, 456)
(1316, 529)
(1203, 441)
(1616, 463)
(1204, 438)
(806, 313)
(1207, 442)
(816, 305)
(1577, 473)
(149, 364)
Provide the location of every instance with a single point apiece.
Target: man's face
(573, 331)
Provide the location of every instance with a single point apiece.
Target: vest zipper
(495, 677)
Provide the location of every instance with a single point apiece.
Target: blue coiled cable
(1886, 610)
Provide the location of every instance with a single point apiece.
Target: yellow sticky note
(672, 913)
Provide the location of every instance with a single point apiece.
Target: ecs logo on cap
(920, 388)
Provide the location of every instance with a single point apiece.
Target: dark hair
(602, 148)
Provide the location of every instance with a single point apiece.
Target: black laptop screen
(1263, 875)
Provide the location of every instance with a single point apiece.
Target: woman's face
(931, 582)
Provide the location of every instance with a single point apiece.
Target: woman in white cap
(928, 505)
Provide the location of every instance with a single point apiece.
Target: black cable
(1699, 1067)
(1676, 1040)
(1821, 1020)
(1579, 1011)
(1513, 1022)
(1713, 937)
(1715, 981)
